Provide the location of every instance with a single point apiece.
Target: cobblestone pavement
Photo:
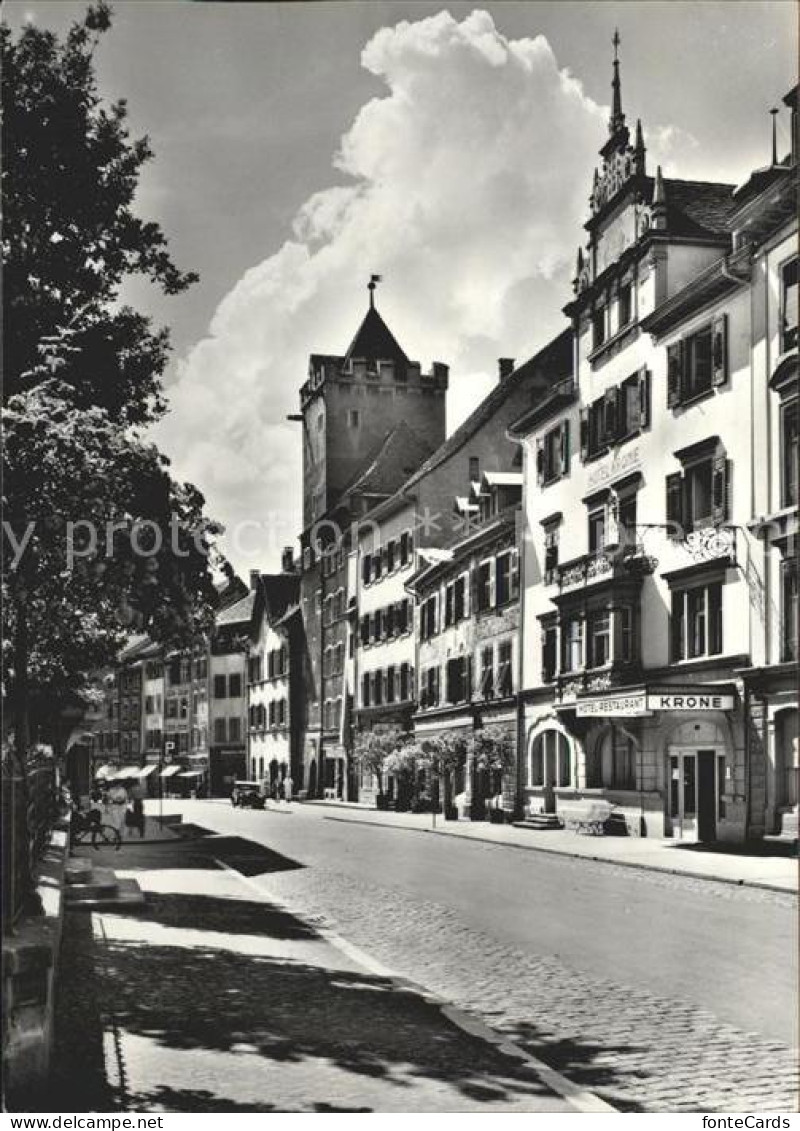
(212, 999)
(634, 1049)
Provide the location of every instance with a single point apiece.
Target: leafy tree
(82, 380)
(373, 751)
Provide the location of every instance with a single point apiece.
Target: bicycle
(85, 830)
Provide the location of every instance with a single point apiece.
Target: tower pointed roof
(374, 341)
(617, 119)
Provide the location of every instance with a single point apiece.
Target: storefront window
(612, 764)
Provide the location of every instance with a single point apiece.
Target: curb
(584, 1101)
(759, 885)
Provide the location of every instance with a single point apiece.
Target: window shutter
(492, 583)
(514, 576)
(584, 433)
(563, 447)
(467, 578)
(720, 488)
(468, 678)
(610, 416)
(436, 686)
(397, 684)
(675, 363)
(719, 350)
(675, 503)
(539, 462)
(644, 397)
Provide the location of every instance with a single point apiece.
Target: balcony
(624, 563)
(591, 681)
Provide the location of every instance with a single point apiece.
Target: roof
(561, 395)
(389, 464)
(238, 613)
(547, 367)
(439, 562)
(696, 208)
(374, 341)
(502, 478)
(721, 278)
(281, 591)
(136, 648)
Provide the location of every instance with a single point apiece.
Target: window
(377, 565)
(506, 583)
(220, 687)
(235, 686)
(391, 686)
(599, 639)
(551, 534)
(505, 673)
(174, 671)
(458, 681)
(366, 568)
(353, 418)
(627, 641)
(790, 453)
(234, 729)
(366, 688)
(201, 668)
(622, 412)
(549, 652)
(624, 305)
(613, 762)
(219, 730)
(377, 688)
(789, 611)
(550, 761)
(487, 673)
(485, 585)
(183, 707)
(428, 625)
(572, 645)
(552, 454)
(626, 517)
(474, 469)
(697, 622)
(700, 496)
(406, 543)
(391, 556)
(598, 328)
(597, 530)
(789, 285)
(698, 363)
(429, 688)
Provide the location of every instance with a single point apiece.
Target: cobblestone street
(636, 1048)
(229, 991)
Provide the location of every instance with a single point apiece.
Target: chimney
(254, 576)
(287, 560)
(505, 367)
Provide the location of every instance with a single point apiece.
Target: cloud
(465, 186)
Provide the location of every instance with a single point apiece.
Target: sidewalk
(770, 864)
(213, 997)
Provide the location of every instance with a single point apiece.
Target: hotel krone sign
(643, 703)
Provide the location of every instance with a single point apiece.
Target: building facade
(638, 559)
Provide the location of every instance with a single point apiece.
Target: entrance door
(683, 795)
(694, 794)
(706, 795)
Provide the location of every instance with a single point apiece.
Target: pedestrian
(288, 785)
(118, 806)
(135, 816)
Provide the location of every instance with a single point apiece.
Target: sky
(301, 147)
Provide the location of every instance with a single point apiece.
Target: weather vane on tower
(371, 285)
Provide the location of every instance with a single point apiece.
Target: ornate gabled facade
(639, 561)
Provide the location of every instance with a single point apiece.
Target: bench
(586, 816)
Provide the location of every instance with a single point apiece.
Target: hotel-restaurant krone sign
(645, 702)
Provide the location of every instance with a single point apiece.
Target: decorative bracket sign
(642, 704)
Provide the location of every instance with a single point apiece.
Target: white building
(639, 564)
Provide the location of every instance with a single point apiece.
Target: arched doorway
(550, 765)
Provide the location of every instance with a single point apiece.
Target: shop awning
(191, 774)
(104, 772)
(168, 771)
(145, 770)
(126, 772)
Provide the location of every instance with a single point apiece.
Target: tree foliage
(82, 379)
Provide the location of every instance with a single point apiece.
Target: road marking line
(581, 1099)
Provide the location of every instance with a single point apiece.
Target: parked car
(247, 795)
